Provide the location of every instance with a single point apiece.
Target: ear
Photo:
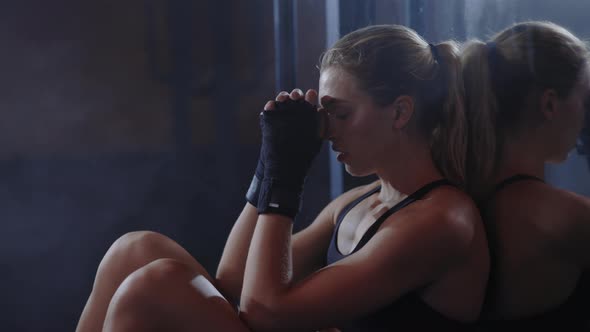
(403, 109)
(549, 104)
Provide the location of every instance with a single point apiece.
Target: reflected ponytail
(501, 80)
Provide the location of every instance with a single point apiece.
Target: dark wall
(121, 116)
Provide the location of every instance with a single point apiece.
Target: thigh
(170, 295)
(129, 253)
(133, 251)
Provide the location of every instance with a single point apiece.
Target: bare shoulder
(579, 204)
(572, 214)
(448, 213)
(531, 195)
(457, 211)
(526, 203)
(338, 204)
(452, 205)
(548, 206)
(560, 217)
(571, 227)
(443, 230)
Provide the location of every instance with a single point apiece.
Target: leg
(129, 253)
(167, 295)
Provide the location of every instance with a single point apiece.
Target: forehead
(338, 83)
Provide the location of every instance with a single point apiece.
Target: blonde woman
(407, 251)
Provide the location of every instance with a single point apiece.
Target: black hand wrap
(291, 138)
(254, 190)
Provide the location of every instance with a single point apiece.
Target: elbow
(228, 284)
(260, 316)
(224, 272)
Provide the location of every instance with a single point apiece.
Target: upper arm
(310, 245)
(398, 259)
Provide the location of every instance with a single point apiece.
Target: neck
(407, 171)
(514, 161)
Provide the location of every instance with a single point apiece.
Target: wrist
(253, 192)
(279, 197)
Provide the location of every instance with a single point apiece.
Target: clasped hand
(292, 134)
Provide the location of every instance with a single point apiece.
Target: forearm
(230, 272)
(291, 139)
(269, 269)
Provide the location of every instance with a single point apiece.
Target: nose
(324, 124)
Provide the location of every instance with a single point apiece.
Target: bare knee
(127, 254)
(158, 272)
(136, 249)
(150, 282)
(135, 246)
(145, 295)
(161, 296)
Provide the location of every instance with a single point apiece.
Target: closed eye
(338, 113)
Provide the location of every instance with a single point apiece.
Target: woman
(407, 250)
(527, 92)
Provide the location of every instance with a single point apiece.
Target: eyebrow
(332, 102)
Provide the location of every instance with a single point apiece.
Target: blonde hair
(391, 60)
(500, 77)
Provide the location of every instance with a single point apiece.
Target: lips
(339, 154)
(336, 149)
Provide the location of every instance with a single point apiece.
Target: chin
(357, 172)
(561, 153)
(558, 159)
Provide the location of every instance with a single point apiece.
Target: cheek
(364, 134)
(581, 120)
(577, 121)
(337, 128)
(372, 140)
(570, 120)
(578, 112)
(569, 131)
(372, 126)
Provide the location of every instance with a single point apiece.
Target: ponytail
(449, 144)
(481, 111)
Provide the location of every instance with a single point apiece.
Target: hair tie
(435, 53)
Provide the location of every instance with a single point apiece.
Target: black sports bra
(409, 311)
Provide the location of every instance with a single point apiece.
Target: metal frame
(285, 37)
(332, 34)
